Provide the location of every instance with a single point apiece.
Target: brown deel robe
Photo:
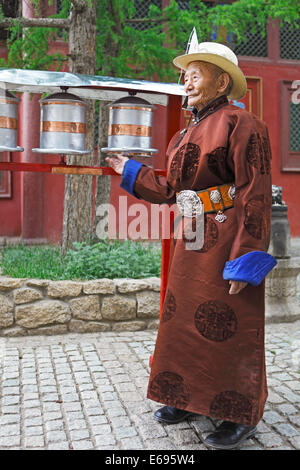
(209, 355)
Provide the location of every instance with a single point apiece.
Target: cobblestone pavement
(87, 391)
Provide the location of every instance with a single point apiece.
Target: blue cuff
(129, 175)
(251, 267)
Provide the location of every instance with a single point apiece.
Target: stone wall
(44, 307)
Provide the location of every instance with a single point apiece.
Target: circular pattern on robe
(169, 307)
(258, 153)
(215, 320)
(231, 406)
(211, 234)
(216, 162)
(255, 217)
(169, 388)
(185, 160)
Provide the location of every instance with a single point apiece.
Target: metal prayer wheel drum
(130, 127)
(62, 125)
(9, 104)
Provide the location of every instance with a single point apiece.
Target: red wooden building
(31, 204)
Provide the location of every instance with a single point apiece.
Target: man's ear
(223, 81)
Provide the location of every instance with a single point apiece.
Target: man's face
(200, 84)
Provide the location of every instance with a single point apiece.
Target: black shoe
(170, 415)
(229, 435)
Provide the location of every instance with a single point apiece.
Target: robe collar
(210, 108)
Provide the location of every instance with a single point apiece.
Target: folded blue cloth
(129, 175)
(251, 267)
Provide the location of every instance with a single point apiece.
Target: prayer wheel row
(63, 125)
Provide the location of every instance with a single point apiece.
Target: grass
(109, 259)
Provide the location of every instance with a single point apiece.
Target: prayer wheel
(63, 125)
(130, 127)
(9, 122)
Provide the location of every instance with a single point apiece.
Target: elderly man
(209, 354)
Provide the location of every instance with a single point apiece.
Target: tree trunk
(77, 219)
(100, 228)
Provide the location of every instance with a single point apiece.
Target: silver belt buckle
(189, 203)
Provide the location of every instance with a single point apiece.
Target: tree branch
(63, 23)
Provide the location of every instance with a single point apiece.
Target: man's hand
(236, 286)
(117, 162)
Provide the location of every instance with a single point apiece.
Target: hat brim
(239, 87)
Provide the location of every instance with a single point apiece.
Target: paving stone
(33, 431)
(34, 441)
(94, 411)
(48, 416)
(151, 432)
(74, 416)
(72, 406)
(30, 396)
(295, 441)
(124, 432)
(119, 378)
(104, 440)
(54, 425)
(69, 397)
(183, 436)
(287, 409)
(10, 400)
(125, 387)
(269, 440)
(10, 430)
(288, 394)
(10, 441)
(79, 434)
(275, 398)
(286, 430)
(56, 436)
(34, 421)
(203, 424)
(120, 421)
(160, 444)
(59, 446)
(271, 417)
(96, 420)
(10, 391)
(9, 419)
(83, 445)
(295, 419)
(100, 429)
(293, 384)
(132, 443)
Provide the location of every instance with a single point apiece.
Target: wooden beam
(62, 169)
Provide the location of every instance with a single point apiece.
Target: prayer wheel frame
(96, 87)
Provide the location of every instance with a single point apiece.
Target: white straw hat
(222, 56)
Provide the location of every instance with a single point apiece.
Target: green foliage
(28, 48)
(124, 51)
(32, 262)
(1, 13)
(110, 259)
